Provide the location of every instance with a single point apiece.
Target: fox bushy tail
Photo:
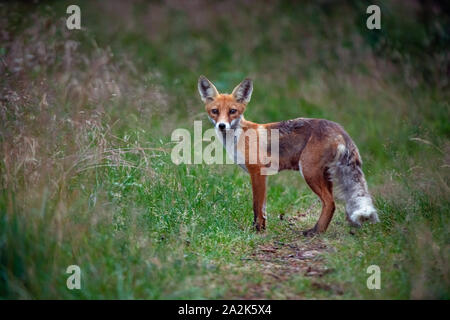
(351, 186)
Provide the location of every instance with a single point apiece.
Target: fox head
(225, 110)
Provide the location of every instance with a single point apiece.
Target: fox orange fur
(319, 149)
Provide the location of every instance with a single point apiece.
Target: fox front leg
(259, 186)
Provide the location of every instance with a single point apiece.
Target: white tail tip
(362, 215)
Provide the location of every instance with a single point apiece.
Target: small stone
(310, 254)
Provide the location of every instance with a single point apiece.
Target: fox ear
(243, 91)
(206, 89)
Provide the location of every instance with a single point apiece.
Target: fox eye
(215, 111)
(233, 111)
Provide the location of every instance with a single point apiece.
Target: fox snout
(222, 126)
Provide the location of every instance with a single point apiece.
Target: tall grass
(85, 169)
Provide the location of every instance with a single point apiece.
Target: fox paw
(310, 232)
(259, 225)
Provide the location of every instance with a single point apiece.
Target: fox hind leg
(317, 180)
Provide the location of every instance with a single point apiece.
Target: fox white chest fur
(230, 140)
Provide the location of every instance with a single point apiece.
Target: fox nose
(222, 126)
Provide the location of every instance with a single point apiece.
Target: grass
(87, 179)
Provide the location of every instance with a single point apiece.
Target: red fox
(319, 149)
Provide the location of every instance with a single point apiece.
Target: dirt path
(279, 262)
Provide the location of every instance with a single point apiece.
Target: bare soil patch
(279, 262)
